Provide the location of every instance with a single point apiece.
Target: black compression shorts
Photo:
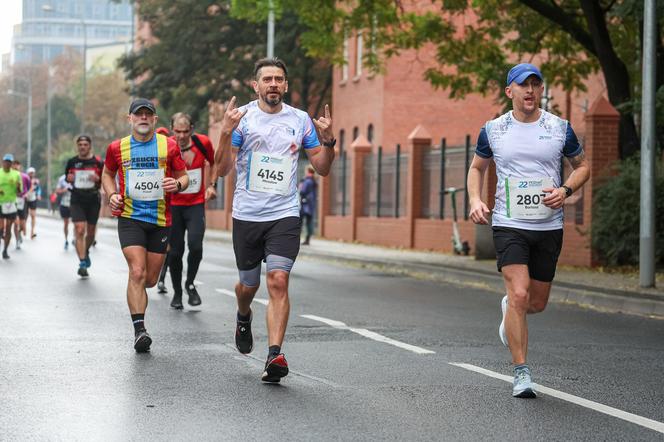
(151, 237)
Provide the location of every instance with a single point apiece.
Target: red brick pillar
(418, 140)
(359, 149)
(602, 151)
(324, 184)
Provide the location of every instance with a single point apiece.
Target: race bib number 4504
(525, 197)
(145, 184)
(269, 173)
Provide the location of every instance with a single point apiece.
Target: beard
(142, 129)
(272, 101)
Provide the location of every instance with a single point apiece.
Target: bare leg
(517, 283)
(244, 295)
(278, 308)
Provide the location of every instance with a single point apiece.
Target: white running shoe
(501, 329)
(523, 384)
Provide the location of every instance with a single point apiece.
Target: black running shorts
(65, 212)
(151, 237)
(539, 250)
(253, 241)
(32, 205)
(86, 210)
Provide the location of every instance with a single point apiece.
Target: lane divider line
(369, 334)
(232, 294)
(605, 409)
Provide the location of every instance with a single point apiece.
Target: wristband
(330, 144)
(179, 185)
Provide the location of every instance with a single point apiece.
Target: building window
(358, 55)
(342, 141)
(356, 133)
(370, 133)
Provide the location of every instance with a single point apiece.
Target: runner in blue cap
(527, 145)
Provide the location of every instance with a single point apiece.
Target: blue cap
(521, 71)
(8, 157)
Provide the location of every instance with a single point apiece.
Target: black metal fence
(385, 187)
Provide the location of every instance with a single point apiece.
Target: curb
(601, 299)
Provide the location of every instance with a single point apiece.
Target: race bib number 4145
(269, 173)
(525, 197)
(145, 184)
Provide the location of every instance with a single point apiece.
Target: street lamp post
(29, 97)
(48, 8)
(49, 144)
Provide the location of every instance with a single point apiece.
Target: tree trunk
(615, 74)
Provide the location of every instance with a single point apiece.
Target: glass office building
(50, 26)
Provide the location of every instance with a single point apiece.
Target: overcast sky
(11, 15)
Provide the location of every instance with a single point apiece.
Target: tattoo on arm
(577, 160)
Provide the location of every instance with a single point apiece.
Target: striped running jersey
(131, 158)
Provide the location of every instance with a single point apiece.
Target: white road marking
(232, 294)
(629, 417)
(369, 334)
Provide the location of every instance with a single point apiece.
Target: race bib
(195, 178)
(66, 200)
(83, 179)
(145, 184)
(525, 196)
(31, 196)
(8, 208)
(269, 173)
(20, 203)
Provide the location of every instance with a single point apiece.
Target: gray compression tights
(252, 278)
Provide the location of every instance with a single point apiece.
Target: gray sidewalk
(591, 288)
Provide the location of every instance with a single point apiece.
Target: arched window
(370, 133)
(356, 133)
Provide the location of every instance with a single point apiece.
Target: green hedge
(615, 225)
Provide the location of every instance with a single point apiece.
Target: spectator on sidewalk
(308, 189)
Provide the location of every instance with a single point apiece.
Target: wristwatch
(179, 185)
(568, 191)
(330, 143)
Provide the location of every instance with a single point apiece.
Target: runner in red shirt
(188, 207)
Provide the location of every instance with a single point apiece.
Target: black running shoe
(5, 255)
(83, 272)
(194, 299)
(244, 341)
(142, 341)
(176, 303)
(161, 287)
(276, 368)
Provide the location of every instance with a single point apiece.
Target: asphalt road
(371, 358)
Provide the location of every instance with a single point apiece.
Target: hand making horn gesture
(232, 116)
(324, 126)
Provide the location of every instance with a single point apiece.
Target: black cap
(139, 103)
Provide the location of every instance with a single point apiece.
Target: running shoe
(66, 244)
(194, 299)
(501, 329)
(142, 341)
(83, 272)
(5, 255)
(244, 340)
(161, 287)
(523, 384)
(18, 245)
(88, 263)
(276, 368)
(176, 302)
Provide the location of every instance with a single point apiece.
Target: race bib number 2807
(525, 197)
